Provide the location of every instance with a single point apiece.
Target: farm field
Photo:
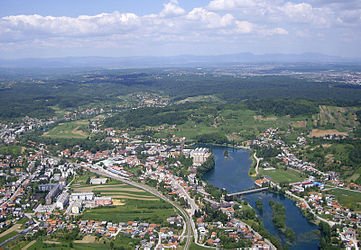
(155, 211)
(282, 176)
(335, 117)
(74, 129)
(129, 202)
(322, 133)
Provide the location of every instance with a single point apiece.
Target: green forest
(34, 96)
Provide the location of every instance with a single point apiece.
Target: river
(232, 174)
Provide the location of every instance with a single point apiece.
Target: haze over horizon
(46, 29)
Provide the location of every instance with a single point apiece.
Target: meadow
(347, 198)
(76, 129)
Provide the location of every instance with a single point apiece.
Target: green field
(9, 235)
(133, 210)
(11, 150)
(282, 176)
(347, 198)
(76, 129)
(80, 180)
(194, 246)
(113, 188)
(238, 123)
(335, 117)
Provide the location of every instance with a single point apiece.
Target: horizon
(185, 55)
(46, 29)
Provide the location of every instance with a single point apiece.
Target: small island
(279, 219)
(226, 154)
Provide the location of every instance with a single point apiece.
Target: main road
(152, 191)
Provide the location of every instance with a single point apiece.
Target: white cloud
(209, 18)
(244, 27)
(231, 4)
(222, 21)
(275, 31)
(68, 26)
(172, 9)
(305, 13)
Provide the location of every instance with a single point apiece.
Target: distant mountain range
(172, 61)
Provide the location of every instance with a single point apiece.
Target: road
(191, 211)
(154, 192)
(159, 245)
(331, 223)
(257, 164)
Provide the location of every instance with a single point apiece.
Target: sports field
(283, 176)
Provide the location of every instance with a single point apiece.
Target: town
(41, 194)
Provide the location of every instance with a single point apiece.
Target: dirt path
(11, 229)
(75, 131)
(127, 194)
(28, 245)
(121, 189)
(52, 242)
(82, 122)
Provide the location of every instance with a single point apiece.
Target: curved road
(154, 192)
(257, 165)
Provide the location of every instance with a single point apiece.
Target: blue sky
(48, 28)
(75, 8)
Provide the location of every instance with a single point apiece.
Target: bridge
(256, 190)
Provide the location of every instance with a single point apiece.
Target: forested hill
(36, 93)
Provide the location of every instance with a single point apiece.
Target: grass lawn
(41, 245)
(138, 210)
(194, 246)
(74, 129)
(81, 180)
(347, 198)
(23, 220)
(282, 176)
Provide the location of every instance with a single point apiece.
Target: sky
(122, 28)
